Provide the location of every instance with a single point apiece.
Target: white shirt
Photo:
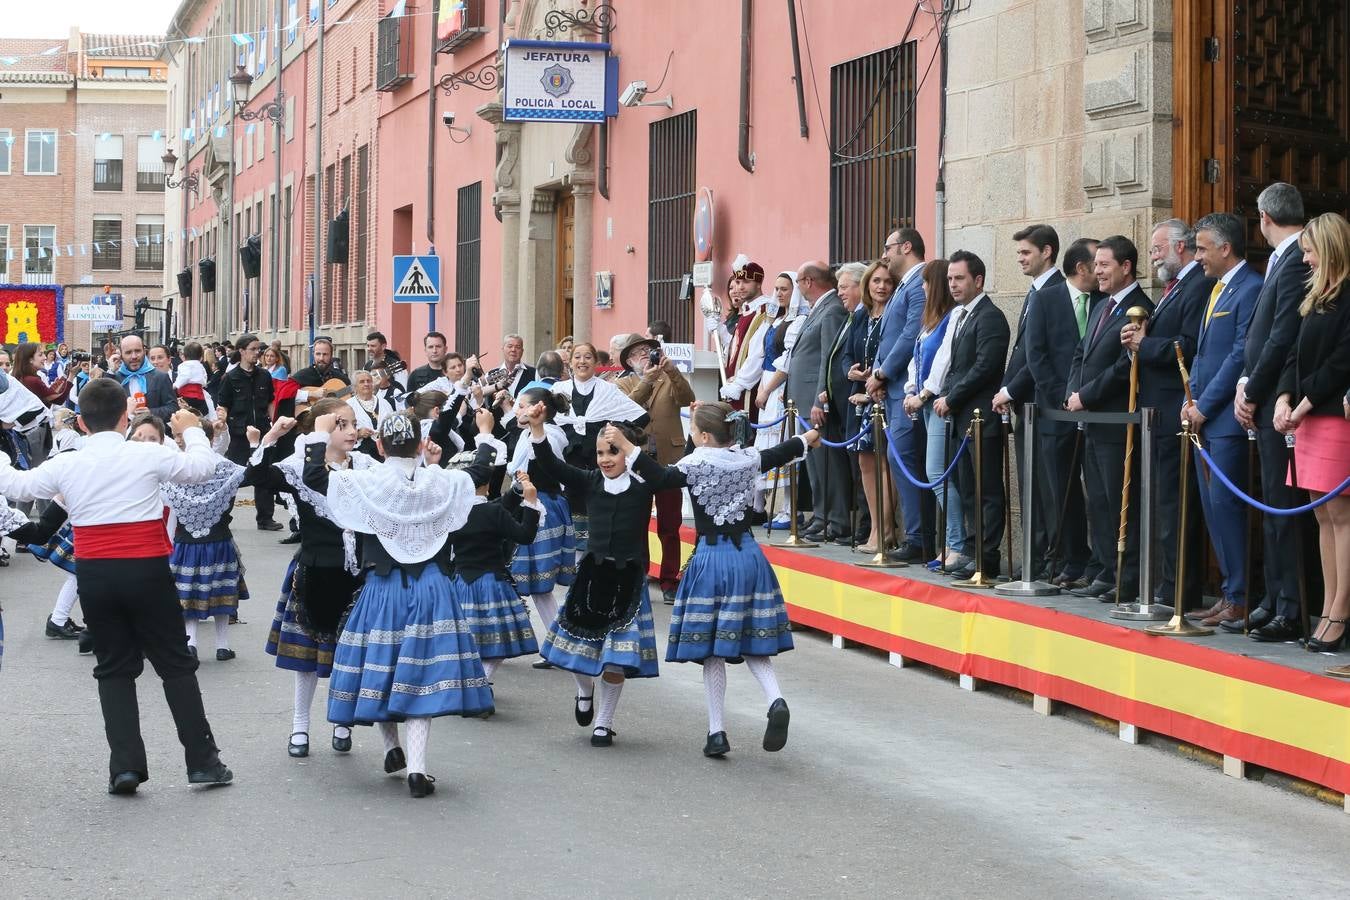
(942, 360)
(366, 419)
(1284, 245)
(1039, 281)
(1227, 277)
(1185, 270)
(93, 497)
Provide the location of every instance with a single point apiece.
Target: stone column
(582, 180)
(506, 203)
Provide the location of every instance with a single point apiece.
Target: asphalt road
(893, 783)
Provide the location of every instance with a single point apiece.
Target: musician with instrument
(245, 398)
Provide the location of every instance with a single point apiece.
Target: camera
(654, 357)
(447, 118)
(80, 356)
(633, 94)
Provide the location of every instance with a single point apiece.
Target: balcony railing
(150, 257)
(39, 277)
(150, 182)
(394, 65)
(107, 174)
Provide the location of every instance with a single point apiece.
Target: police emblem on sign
(557, 80)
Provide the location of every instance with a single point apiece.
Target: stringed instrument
(337, 388)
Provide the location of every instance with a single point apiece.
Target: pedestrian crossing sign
(417, 279)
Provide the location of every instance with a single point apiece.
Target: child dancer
(190, 383)
(482, 549)
(728, 605)
(205, 560)
(605, 626)
(550, 560)
(10, 519)
(406, 653)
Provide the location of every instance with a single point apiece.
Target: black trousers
(991, 489)
(1059, 471)
(831, 479)
(1283, 533)
(1040, 517)
(238, 452)
(1104, 474)
(1167, 491)
(132, 610)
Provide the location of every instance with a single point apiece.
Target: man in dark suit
(1220, 245)
(826, 467)
(1176, 319)
(1055, 326)
(138, 377)
(1270, 340)
(1099, 381)
(1037, 253)
(245, 394)
(978, 350)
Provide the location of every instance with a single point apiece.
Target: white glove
(711, 324)
(731, 392)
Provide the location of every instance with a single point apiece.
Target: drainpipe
(797, 67)
(940, 189)
(602, 135)
(747, 161)
(317, 292)
(431, 137)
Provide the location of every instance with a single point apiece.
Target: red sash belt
(122, 540)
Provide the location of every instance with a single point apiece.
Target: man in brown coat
(658, 387)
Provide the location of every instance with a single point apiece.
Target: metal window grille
(394, 58)
(670, 220)
(872, 133)
(342, 306)
(362, 228)
(108, 175)
(326, 313)
(108, 244)
(284, 319)
(150, 247)
(468, 266)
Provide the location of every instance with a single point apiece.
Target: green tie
(1080, 313)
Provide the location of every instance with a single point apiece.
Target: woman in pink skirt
(1310, 405)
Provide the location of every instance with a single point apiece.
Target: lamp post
(189, 182)
(274, 111)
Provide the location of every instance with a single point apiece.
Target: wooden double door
(1262, 94)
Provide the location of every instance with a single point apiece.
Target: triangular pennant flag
(9, 255)
(69, 252)
(84, 250)
(155, 136)
(25, 254)
(241, 40)
(97, 248)
(249, 129)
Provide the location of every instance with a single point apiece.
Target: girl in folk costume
(549, 560)
(406, 653)
(605, 626)
(10, 519)
(728, 606)
(321, 580)
(52, 538)
(594, 404)
(745, 359)
(483, 547)
(205, 560)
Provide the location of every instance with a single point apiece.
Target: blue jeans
(936, 464)
(900, 431)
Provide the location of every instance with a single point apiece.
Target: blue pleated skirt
(552, 559)
(728, 604)
(630, 646)
(293, 646)
(210, 578)
(59, 551)
(407, 651)
(497, 617)
(2, 638)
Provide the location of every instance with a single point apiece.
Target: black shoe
(270, 526)
(298, 751)
(1278, 629)
(584, 716)
(813, 533)
(224, 653)
(342, 744)
(542, 664)
(420, 785)
(67, 632)
(668, 595)
(124, 784)
(86, 644)
(964, 572)
(603, 737)
(1110, 597)
(395, 761)
(775, 736)
(290, 539)
(717, 746)
(217, 774)
(1260, 618)
(1095, 589)
(906, 552)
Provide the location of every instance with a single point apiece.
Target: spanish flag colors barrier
(1258, 712)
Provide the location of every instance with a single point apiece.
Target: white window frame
(50, 259)
(4, 252)
(56, 150)
(9, 151)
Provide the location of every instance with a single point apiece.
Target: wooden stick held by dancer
(1137, 315)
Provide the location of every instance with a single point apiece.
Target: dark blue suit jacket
(900, 326)
(1176, 318)
(1051, 338)
(1219, 356)
(1274, 329)
(1017, 377)
(1101, 367)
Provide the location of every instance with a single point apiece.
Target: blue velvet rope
(927, 485)
(806, 426)
(1252, 501)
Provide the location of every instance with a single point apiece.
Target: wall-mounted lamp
(188, 182)
(448, 118)
(273, 110)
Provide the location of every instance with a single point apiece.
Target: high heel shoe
(1316, 646)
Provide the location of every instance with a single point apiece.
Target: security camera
(447, 118)
(633, 94)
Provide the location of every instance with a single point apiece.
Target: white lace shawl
(412, 509)
(10, 518)
(524, 454)
(198, 507)
(608, 404)
(292, 468)
(722, 480)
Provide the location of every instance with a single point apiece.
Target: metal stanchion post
(942, 510)
(1004, 424)
(978, 580)
(1178, 626)
(1145, 610)
(1251, 525)
(793, 539)
(879, 459)
(1300, 566)
(772, 504)
(1027, 587)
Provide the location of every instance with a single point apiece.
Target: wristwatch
(925, 395)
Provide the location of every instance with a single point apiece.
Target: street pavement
(893, 783)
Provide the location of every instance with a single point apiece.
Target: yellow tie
(1213, 299)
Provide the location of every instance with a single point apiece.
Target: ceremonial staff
(1137, 315)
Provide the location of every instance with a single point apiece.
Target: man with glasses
(245, 395)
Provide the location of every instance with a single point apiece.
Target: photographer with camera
(658, 387)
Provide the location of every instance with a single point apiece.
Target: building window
(872, 133)
(150, 164)
(670, 214)
(107, 242)
(40, 152)
(150, 243)
(326, 313)
(468, 265)
(284, 319)
(4, 254)
(6, 142)
(342, 306)
(363, 229)
(108, 162)
(38, 243)
(394, 59)
(125, 72)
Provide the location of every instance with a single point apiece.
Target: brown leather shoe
(1230, 613)
(1209, 612)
